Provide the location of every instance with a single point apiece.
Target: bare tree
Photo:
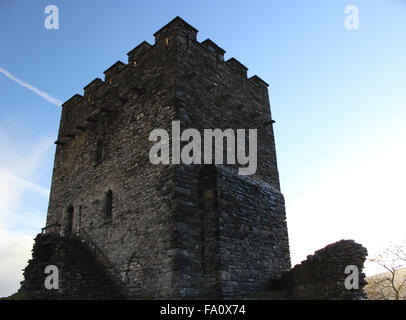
(390, 285)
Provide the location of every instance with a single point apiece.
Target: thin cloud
(20, 220)
(42, 94)
(13, 260)
(23, 183)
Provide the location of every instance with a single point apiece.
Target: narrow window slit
(109, 203)
(99, 152)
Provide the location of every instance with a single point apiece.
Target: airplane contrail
(42, 94)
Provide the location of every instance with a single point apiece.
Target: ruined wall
(79, 274)
(321, 276)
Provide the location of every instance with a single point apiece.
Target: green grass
(16, 296)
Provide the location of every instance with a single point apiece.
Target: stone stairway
(81, 275)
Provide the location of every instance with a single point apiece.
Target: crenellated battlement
(112, 71)
(257, 80)
(219, 52)
(238, 67)
(174, 28)
(138, 52)
(92, 86)
(205, 67)
(176, 31)
(72, 101)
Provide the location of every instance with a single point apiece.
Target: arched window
(109, 203)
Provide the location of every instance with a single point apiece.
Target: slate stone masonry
(175, 231)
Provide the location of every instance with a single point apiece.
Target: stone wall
(214, 93)
(80, 275)
(253, 237)
(322, 275)
(232, 232)
(159, 237)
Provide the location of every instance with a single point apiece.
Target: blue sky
(337, 95)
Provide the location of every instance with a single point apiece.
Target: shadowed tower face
(171, 231)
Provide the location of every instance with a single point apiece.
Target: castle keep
(170, 231)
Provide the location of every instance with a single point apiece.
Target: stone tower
(177, 230)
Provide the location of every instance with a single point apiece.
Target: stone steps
(81, 276)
